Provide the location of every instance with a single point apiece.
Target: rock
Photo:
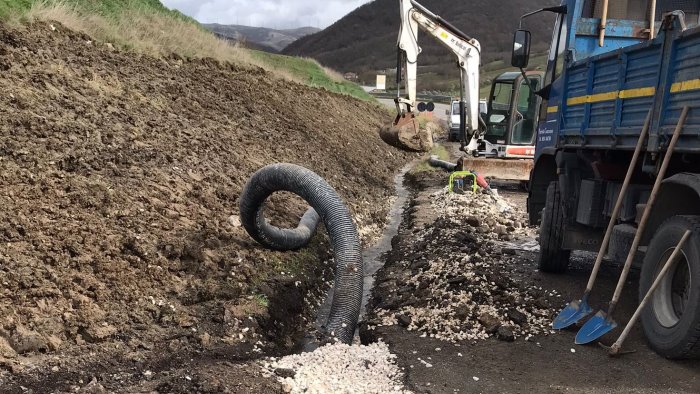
(93, 388)
(24, 340)
(98, 333)
(404, 320)
(473, 221)
(517, 317)
(490, 322)
(6, 351)
(234, 221)
(462, 312)
(505, 334)
(287, 387)
(285, 372)
(205, 339)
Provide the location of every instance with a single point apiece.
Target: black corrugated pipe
(435, 162)
(325, 202)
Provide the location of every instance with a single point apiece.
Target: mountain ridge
(262, 38)
(364, 41)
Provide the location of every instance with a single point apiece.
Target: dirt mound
(120, 180)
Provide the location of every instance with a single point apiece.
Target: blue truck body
(604, 93)
(596, 100)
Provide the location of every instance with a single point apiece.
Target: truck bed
(608, 96)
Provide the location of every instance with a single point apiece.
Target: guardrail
(420, 97)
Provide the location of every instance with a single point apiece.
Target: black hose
(435, 162)
(325, 202)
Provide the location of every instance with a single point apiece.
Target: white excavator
(508, 130)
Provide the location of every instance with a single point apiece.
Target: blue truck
(607, 70)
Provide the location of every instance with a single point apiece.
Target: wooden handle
(603, 23)
(618, 204)
(618, 344)
(647, 210)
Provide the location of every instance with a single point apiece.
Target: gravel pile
(455, 280)
(339, 368)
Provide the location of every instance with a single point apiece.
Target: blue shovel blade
(572, 313)
(595, 328)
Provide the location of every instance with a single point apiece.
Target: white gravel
(458, 313)
(340, 368)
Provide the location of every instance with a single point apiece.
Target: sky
(276, 14)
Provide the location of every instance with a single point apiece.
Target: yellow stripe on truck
(552, 110)
(693, 84)
(610, 96)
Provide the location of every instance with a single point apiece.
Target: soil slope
(120, 176)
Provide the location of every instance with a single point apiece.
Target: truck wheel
(553, 258)
(672, 318)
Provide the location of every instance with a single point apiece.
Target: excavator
(499, 143)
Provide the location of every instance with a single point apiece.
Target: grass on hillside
(146, 26)
(311, 72)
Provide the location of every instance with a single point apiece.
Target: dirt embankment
(119, 177)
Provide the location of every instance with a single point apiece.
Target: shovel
(577, 310)
(603, 322)
(617, 346)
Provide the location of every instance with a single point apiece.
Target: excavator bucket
(405, 133)
(506, 169)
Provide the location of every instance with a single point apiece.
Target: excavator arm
(466, 49)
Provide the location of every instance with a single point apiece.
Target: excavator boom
(467, 50)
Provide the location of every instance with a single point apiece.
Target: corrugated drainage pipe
(326, 205)
(435, 162)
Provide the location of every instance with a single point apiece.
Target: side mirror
(447, 112)
(521, 49)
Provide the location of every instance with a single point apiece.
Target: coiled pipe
(325, 205)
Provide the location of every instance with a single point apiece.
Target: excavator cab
(512, 115)
(511, 128)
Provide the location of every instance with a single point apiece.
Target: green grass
(147, 26)
(311, 73)
(424, 166)
(261, 300)
(105, 8)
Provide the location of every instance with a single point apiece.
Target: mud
(538, 363)
(120, 247)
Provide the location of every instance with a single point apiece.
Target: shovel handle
(647, 210)
(674, 256)
(603, 24)
(618, 204)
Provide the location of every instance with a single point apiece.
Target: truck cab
(607, 79)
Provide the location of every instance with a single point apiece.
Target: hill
(262, 38)
(121, 175)
(148, 27)
(365, 40)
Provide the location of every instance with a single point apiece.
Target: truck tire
(552, 257)
(671, 320)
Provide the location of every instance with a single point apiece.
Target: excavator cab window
(499, 112)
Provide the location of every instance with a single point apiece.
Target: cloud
(268, 13)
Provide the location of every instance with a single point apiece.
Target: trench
(372, 256)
